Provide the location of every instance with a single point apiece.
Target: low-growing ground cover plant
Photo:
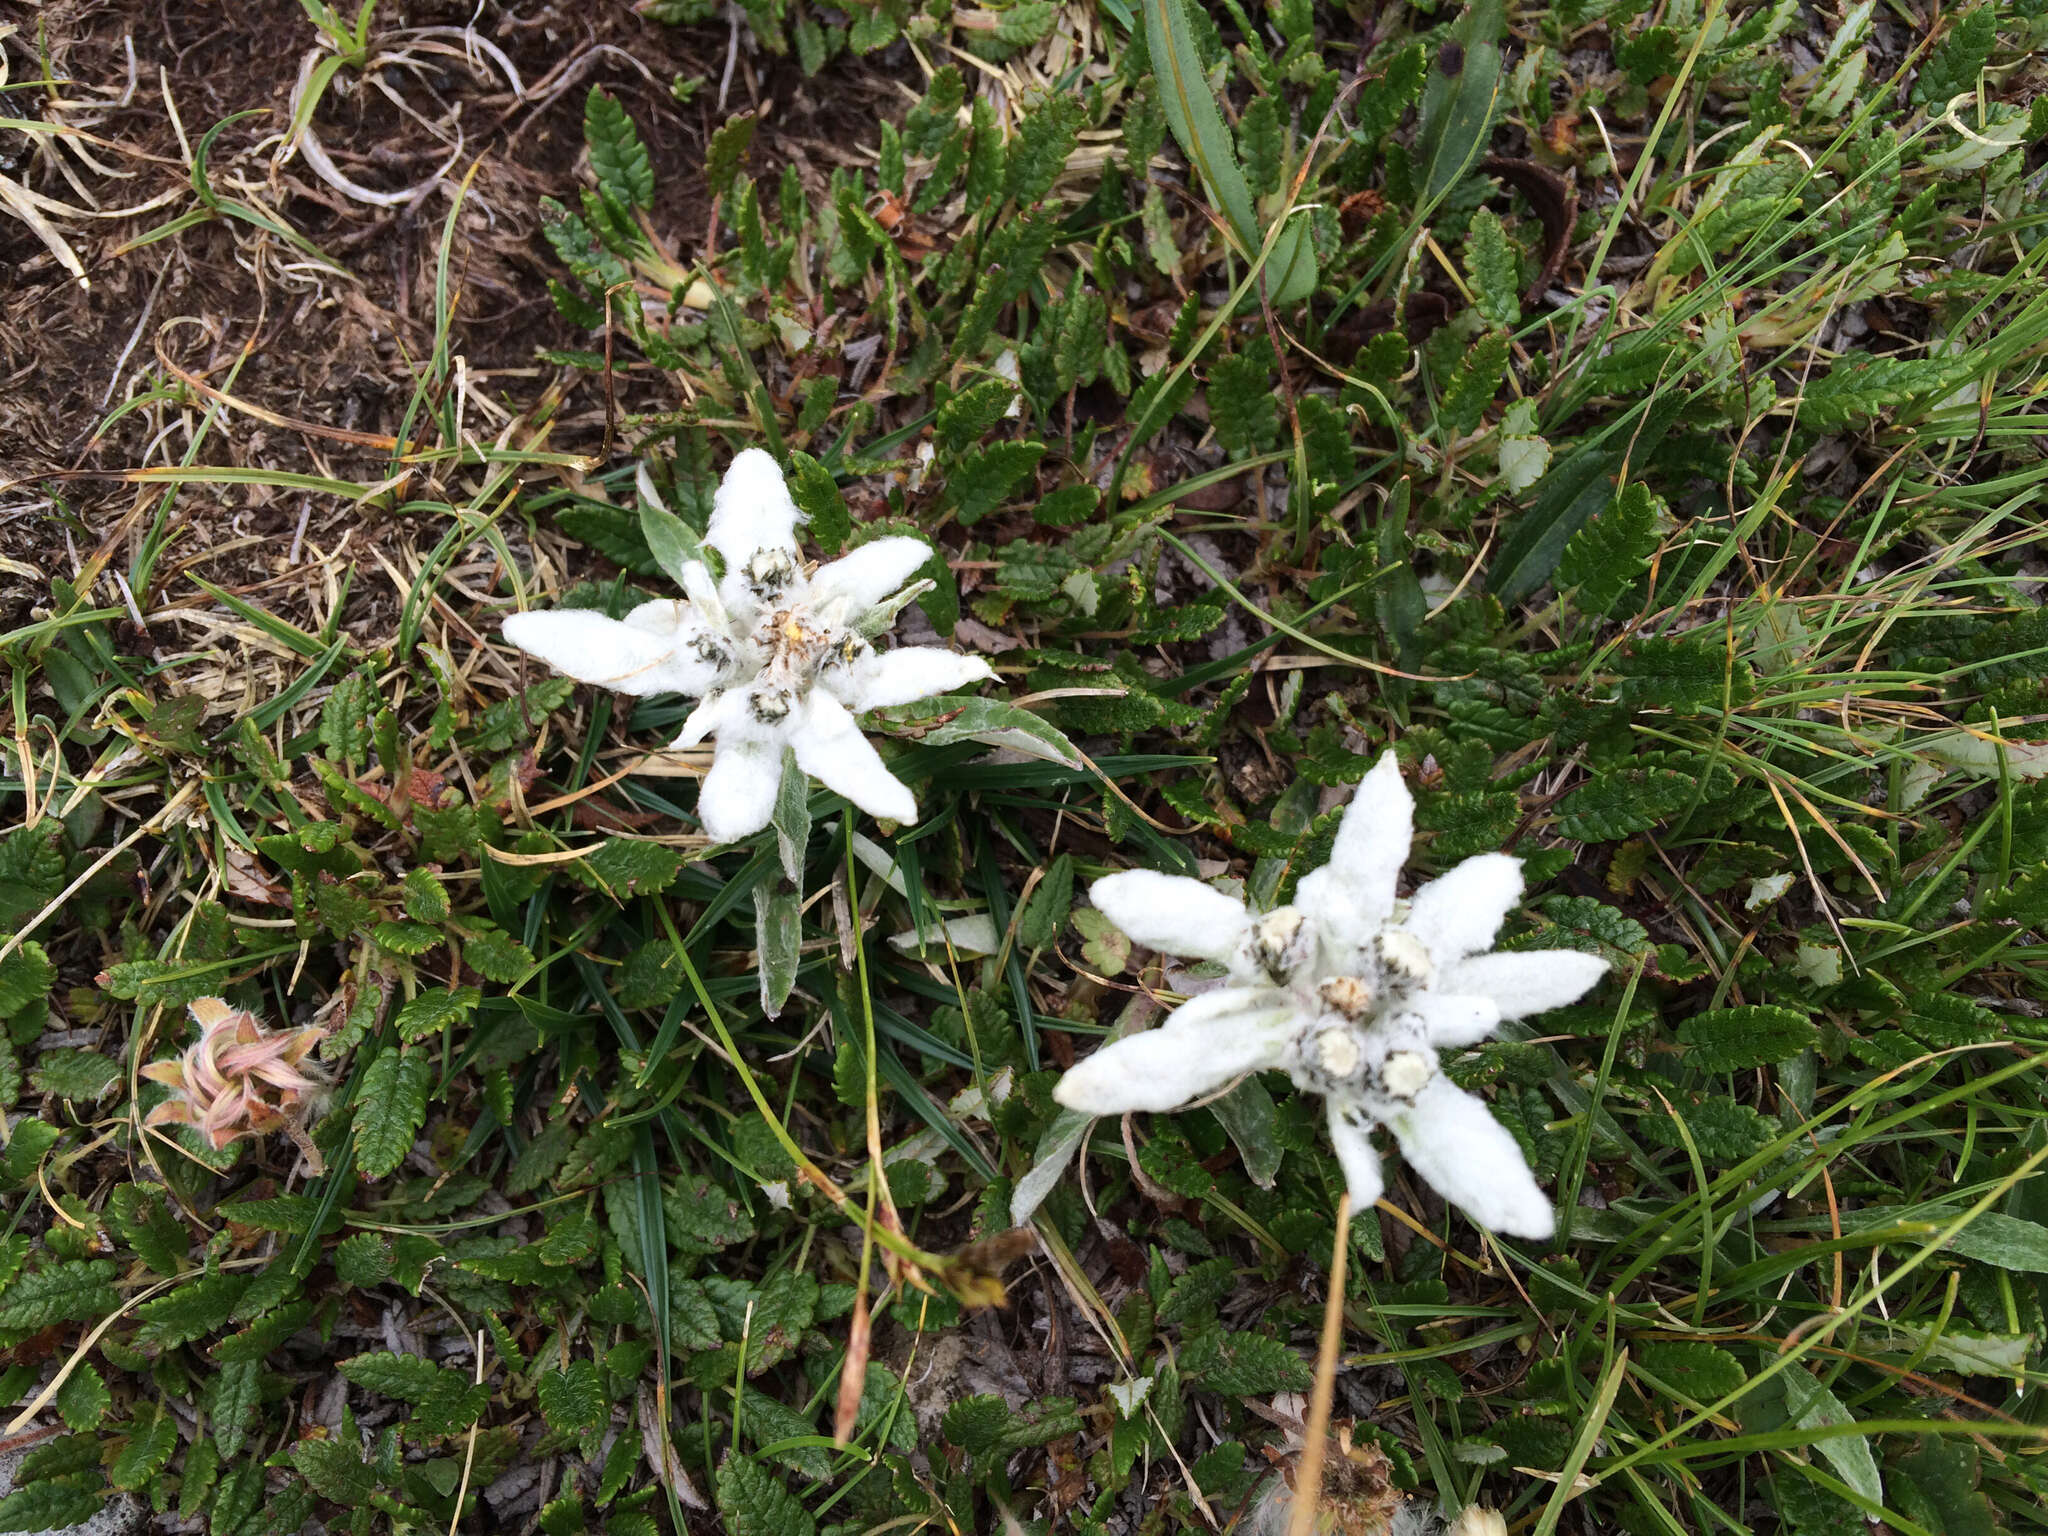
(1599, 446)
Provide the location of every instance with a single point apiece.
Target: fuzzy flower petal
(832, 750)
(1457, 914)
(904, 675)
(751, 511)
(1172, 913)
(738, 794)
(1203, 1044)
(1452, 1140)
(1526, 981)
(1372, 842)
(1351, 1137)
(721, 712)
(871, 573)
(591, 648)
(1452, 1020)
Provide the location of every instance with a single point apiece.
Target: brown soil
(242, 312)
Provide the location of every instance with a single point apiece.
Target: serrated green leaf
(73, 1291)
(192, 1311)
(1472, 384)
(152, 1436)
(816, 494)
(391, 1106)
(1700, 1373)
(435, 1011)
(334, 1470)
(726, 152)
(495, 955)
(627, 866)
(75, 1074)
(48, 1506)
(1611, 552)
(1755, 1035)
(625, 175)
(970, 412)
(1244, 1364)
(754, 1502)
(572, 1397)
(83, 1401)
(1494, 267)
(26, 976)
(1957, 60)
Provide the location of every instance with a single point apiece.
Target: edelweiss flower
(239, 1079)
(778, 654)
(1353, 993)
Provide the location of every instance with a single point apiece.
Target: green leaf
(1688, 677)
(494, 954)
(1472, 385)
(670, 540)
(967, 414)
(1756, 1035)
(46, 1507)
(948, 718)
(572, 1398)
(1957, 60)
(1262, 140)
(1574, 490)
(75, 1074)
(1243, 402)
(237, 1394)
(1459, 101)
(335, 1470)
(624, 173)
(1198, 128)
(983, 477)
(1699, 1373)
(83, 1400)
(434, 1012)
(816, 494)
(1494, 266)
(409, 1378)
(754, 1502)
(627, 866)
(1044, 139)
(1045, 914)
(1621, 801)
(1812, 1406)
(152, 1436)
(1860, 386)
(364, 1260)
(1611, 553)
(391, 1106)
(26, 976)
(1253, 1123)
(792, 817)
(192, 1311)
(75, 1292)
(1244, 1364)
(727, 151)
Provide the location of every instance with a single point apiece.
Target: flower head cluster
(780, 655)
(1353, 993)
(239, 1079)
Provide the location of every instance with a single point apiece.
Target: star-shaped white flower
(778, 654)
(1352, 992)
